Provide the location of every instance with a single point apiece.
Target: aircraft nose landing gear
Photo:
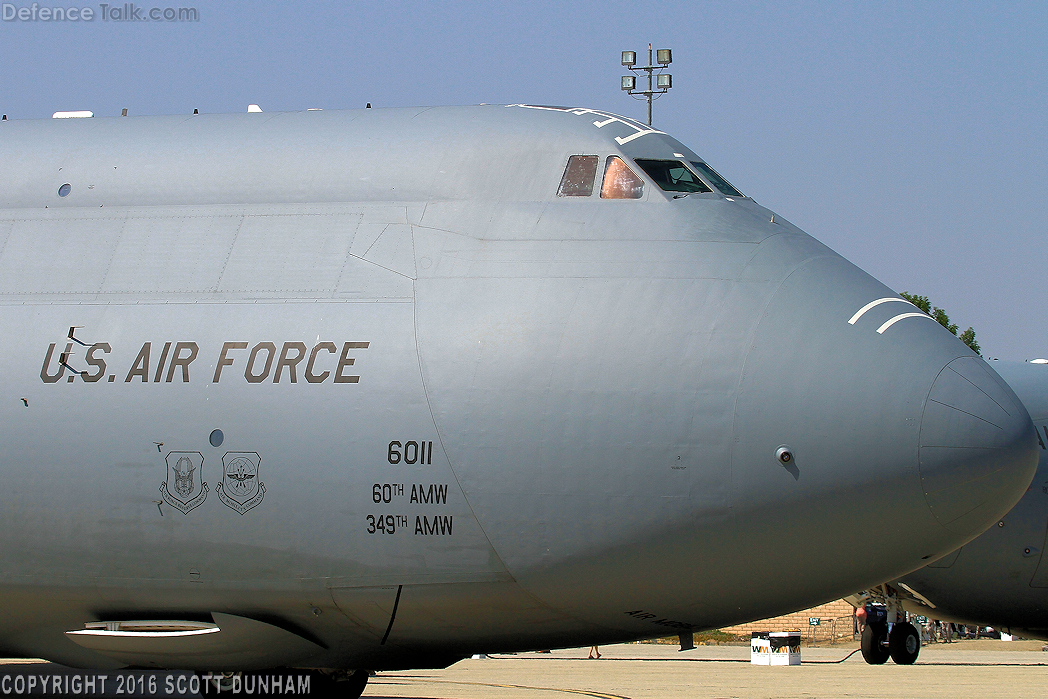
(882, 639)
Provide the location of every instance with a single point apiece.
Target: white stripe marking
(871, 304)
(141, 634)
(899, 317)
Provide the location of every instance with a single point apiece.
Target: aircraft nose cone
(973, 432)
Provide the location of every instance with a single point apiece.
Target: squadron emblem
(240, 488)
(184, 488)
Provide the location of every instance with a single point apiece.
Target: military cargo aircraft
(1000, 578)
(385, 388)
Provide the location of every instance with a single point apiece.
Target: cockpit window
(620, 182)
(672, 176)
(578, 176)
(716, 180)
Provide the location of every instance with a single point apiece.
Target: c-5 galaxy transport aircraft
(384, 388)
(1000, 578)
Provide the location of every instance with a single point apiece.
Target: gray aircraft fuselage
(364, 391)
(1000, 578)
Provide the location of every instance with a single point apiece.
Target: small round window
(64, 190)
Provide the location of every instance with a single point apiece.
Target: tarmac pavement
(976, 668)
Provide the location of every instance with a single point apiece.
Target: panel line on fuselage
(392, 615)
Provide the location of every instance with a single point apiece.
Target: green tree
(922, 302)
(968, 338)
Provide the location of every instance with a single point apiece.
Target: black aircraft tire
(354, 686)
(872, 645)
(904, 643)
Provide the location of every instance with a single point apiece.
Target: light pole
(659, 85)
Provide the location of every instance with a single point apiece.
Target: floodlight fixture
(659, 83)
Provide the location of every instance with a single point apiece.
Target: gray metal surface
(1001, 578)
(457, 411)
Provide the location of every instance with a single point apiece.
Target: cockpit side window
(672, 176)
(578, 176)
(620, 182)
(716, 180)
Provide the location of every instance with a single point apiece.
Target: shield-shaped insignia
(240, 488)
(184, 488)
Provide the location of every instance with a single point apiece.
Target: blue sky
(911, 137)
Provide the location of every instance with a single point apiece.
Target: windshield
(716, 180)
(672, 176)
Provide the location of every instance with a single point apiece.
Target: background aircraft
(1000, 578)
(385, 388)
